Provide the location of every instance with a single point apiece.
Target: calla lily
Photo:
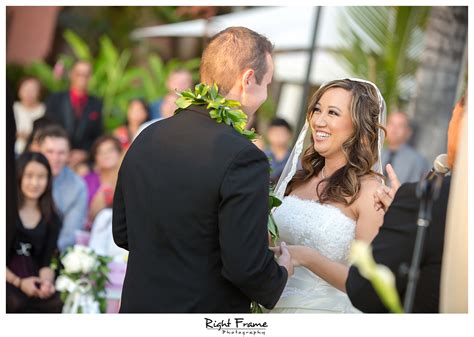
(380, 276)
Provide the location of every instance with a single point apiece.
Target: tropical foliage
(384, 45)
(114, 79)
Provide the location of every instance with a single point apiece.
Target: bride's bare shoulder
(368, 186)
(370, 183)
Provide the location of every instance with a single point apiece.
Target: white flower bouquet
(82, 280)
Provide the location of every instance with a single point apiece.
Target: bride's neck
(333, 164)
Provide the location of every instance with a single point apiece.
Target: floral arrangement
(82, 280)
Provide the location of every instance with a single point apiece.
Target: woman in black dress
(30, 280)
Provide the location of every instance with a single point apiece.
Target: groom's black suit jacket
(393, 246)
(191, 207)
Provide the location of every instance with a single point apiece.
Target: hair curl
(360, 150)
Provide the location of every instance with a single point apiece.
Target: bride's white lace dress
(329, 231)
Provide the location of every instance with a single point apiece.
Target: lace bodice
(319, 226)
(329, 231)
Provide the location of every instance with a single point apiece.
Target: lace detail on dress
(326, 229)
(319, 226)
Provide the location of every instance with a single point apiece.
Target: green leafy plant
(154, 80)
(114, 79)
(384, 44)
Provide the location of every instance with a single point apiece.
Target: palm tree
(438, 77)
(384, 45)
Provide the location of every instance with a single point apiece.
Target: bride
(329, 202)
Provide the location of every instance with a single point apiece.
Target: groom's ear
(247, 78)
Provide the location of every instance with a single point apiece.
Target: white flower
(361, 256)
(64, 283)
(385, 275)
(83, 249)
(72, 262)
(87, 262)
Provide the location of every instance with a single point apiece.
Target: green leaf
(232, 103)
(273, 229)
(183, 102)
(250, 134)
(188, 94)
(255, 308)
(273, 201)
(204, 90)
(214, 91)
(79, 46)
(110, 52)
(213, 105)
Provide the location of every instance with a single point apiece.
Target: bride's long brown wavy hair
(360, 150)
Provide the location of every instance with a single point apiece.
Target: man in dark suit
(191, 201)
(393, 247)
(395, 242)
(79, 113)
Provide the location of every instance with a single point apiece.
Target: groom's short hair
(230, 52)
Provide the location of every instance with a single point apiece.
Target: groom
(191, 201)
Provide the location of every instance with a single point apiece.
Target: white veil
(292, 163)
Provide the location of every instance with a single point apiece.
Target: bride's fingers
(394, 182)
(384, 197)
(378, 205)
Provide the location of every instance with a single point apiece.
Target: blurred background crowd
(82, 82)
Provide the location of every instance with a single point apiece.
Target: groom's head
(239, 60)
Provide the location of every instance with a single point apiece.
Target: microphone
(427, 192)
(440, 167)
(429, 187)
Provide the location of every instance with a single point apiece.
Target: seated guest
(82, 168)
(395, 242)
(137, 114)
(69, 190)
(178, 80)
(30, 280)
(79, 113)
(106, 154)
(32, 144)
(27, 110)
(279, 141)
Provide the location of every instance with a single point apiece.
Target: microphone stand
(428, 192)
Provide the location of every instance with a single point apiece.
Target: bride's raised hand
(384, 195)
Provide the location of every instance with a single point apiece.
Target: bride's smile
(331, 121)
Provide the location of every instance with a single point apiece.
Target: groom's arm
(243, 215)
(119, 220)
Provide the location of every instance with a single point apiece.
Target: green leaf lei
(229, 112)
(220, 108)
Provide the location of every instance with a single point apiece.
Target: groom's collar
(199, 109)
